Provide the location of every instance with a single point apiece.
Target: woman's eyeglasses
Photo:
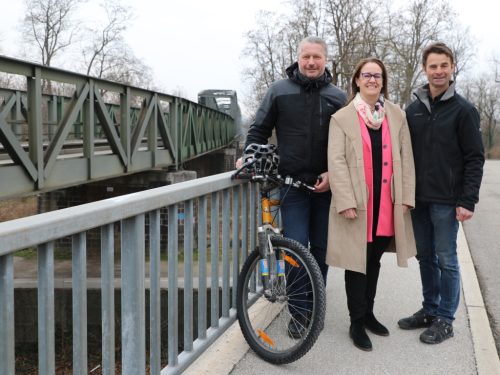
(368, 76)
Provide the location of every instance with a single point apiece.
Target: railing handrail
(32, 230)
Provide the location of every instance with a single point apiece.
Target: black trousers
(361, 288)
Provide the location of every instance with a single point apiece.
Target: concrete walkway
(471, 351)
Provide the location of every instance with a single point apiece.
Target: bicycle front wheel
(281, 319)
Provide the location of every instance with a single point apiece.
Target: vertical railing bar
(7, 351)
(225, 252)
(79, 302)
(173, 334)
(108, 299)
(253, 221)
(214, 253)
(235, 242)
(154, 293)
(202, 261)
(188, 275)
(46, 347)
(244, 221)
(253, 218)
(133, 296)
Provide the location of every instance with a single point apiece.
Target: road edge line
(487, 360)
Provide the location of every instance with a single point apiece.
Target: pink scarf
(373, 119)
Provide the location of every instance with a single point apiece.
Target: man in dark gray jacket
(449, 157)
(299, 109)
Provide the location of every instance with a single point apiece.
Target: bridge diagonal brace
(63, 129)
(108, 127)
(189, 135)
(165, 134)
(196, 132)
(11, 143)
(142, 125)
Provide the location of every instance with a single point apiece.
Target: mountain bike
(280, 292)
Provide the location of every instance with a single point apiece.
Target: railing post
(214, 254)
(154, 293)
(202, 260)
(133, 312)
(79, 278)
(108, 299)
(235, 242)
(46, 347)
(188, 275)
(173, 334)
(7, 358)
(225, 253)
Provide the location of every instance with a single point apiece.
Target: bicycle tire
(267, 331)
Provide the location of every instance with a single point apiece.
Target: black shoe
(437, 332)
(375, 326)
(418, 320)
(297, 326)
(359, 337)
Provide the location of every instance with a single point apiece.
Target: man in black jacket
(449, 157)
(299, 109)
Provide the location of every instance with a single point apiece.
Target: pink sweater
(386, 212)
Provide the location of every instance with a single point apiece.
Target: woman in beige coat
(372, 178)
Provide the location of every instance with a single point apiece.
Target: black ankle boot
(359, 337)
(375, 326)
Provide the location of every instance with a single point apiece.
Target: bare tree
(409, 31)
(463, 46)
(48, 26)
(356, 29)
(484, 92)
(106, 39)
(352, 25)
(265, 46)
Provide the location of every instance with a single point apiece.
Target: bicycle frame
(264, 232)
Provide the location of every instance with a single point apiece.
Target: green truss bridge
(60, 129)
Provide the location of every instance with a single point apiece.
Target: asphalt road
(483, 237)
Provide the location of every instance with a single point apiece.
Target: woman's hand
(322, 184)
(350, 213)
(405, 209)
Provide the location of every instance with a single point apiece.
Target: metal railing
(143, 129)
(218, 221)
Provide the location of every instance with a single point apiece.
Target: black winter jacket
(300, 110)
(447, 148)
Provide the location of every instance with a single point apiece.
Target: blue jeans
(304, 217)
(436, 227)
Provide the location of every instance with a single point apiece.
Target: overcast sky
(193, 45)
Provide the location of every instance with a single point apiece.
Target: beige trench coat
(347, 238)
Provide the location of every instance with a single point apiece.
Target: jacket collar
(309, 84)
(423, 94)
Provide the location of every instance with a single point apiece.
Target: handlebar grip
(242, 176)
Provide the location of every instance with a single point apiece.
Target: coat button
(384, 181)
(385, 146)
(386, 163)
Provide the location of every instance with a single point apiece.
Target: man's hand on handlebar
(239, 163)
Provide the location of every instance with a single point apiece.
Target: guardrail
(220, 211)
(144, 129)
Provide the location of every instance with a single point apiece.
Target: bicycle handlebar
(273, 178)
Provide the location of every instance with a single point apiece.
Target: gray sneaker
(437, 332)
(418, 320)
